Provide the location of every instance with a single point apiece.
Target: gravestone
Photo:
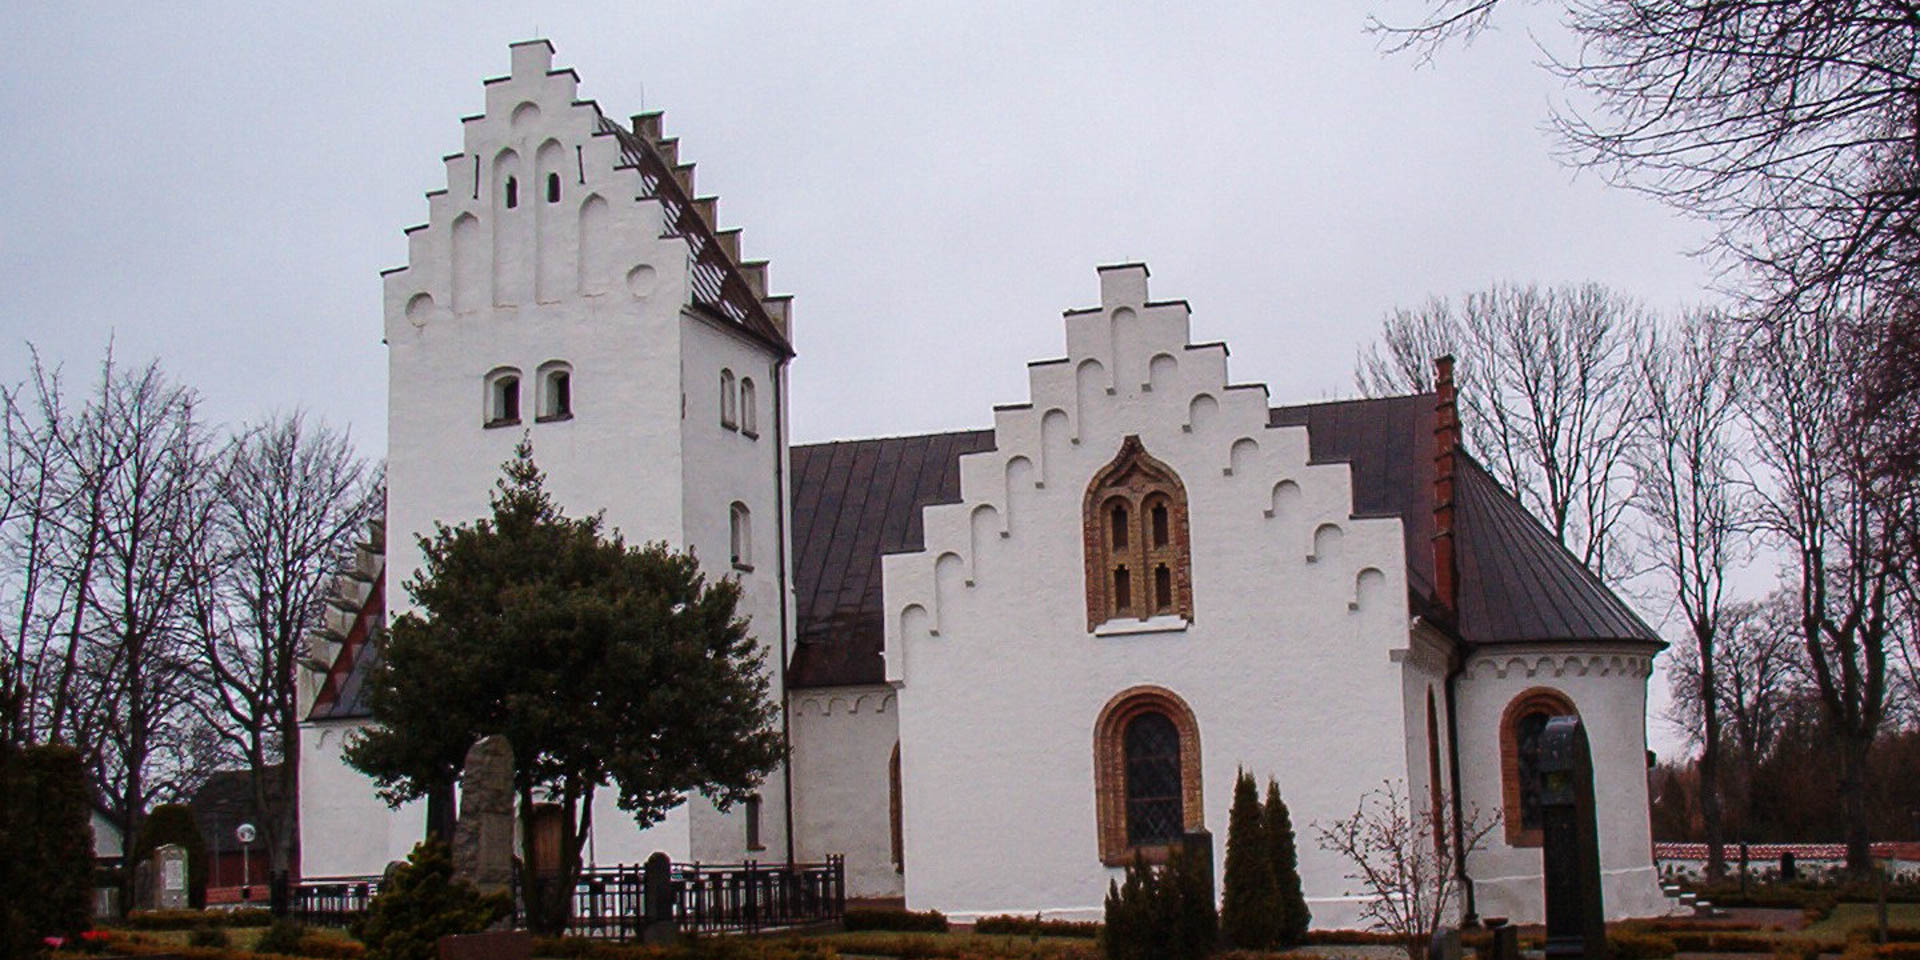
(146, 886)
(657, 924)
(1789, 870)
(1570, 848)
(170, 871)
(483, 839)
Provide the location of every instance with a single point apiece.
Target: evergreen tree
(1187, 889)
(602, 664)
(422, 903)
(1290, 905)
(1248, 919)
(48, 843)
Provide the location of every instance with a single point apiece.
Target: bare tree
(1759, 678)
(291, 496)
(1550, 393)
(1688, 496)
(1822, 502)
(1402, 862)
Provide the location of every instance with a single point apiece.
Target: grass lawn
(1847, 916)
(871, 943)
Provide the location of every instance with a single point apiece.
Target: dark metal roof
(854, 501)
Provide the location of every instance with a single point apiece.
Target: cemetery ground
(1821, 931)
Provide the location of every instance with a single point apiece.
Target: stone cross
(483, 839)
(1570, 851)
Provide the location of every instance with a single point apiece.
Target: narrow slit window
(1122, 588)
(1162, 589)
(1159, 524)
(1120, 526)
(741, 536)
(727, 401)
(553, 188)
(513, 193)
(749, 410)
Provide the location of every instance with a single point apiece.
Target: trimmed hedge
(190, 919)
(1628, 945)
(694, 948)
(903, 921)
(1036, 927)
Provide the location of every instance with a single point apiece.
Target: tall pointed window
(749, 408)
(1136, 539)
(740, 535)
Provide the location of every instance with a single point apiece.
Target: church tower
(571, 288)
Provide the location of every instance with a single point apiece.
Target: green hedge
(904, 921)
(1036, 927)
(189, 919)
(1628, 945)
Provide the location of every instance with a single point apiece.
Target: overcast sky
(219, 186)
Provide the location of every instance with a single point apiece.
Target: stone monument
(170, 872)
(1570, 851)
(657, 924)
(483, 839)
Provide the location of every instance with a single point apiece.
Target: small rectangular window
(1122, 589)
(1162, 589)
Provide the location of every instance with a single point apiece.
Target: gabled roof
(856, 500)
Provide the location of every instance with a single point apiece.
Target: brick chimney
(1446, 443)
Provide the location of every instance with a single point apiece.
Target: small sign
(244, 833)
(173, 873)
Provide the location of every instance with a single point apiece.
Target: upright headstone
(170, 866)
(483, 839)
(657, 924)
(1570, 848)
(1789, 870)
(146, 886)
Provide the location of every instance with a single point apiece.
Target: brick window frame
(1137, 482)
(1110, 770)
(1545, 700)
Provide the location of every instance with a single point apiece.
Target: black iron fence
(610, 902)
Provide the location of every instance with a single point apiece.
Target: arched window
(1136, 539)
(553, 188)
(1520, 728)
(727, 400)
(1146, 762)
(740, 536)
(502, 397)
(513, 193)
(749, 413)
(556, 391)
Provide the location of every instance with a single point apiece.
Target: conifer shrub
(1250, 918)
(1161, 914)
(1290, 903)
(422, 903)
(283, 936)
(174, 823)
(47, 844)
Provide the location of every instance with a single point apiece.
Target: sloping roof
(854, 501)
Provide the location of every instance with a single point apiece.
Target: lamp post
(245, 834)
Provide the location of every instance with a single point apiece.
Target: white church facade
(1011, 658)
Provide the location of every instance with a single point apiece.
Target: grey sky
(219, 186)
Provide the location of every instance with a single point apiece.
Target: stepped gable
(722, 285)
(341, 649)
(854, 501)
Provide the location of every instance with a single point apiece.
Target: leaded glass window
(1154, 808)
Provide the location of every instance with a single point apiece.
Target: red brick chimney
(1446, 443)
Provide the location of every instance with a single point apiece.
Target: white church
(1011, 658)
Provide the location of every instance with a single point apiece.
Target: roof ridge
(891, 436)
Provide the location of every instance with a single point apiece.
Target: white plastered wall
(345, 830)
(843, 740)
(1288, 665)
(1608, 686)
